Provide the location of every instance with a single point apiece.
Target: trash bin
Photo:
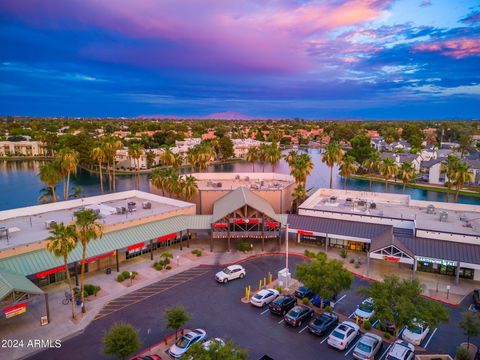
(108, 271)
(78, 301)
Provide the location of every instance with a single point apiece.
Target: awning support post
(47, 307)
(414, 270)
(151, 249)
(181, 240)
(116, 261)
(368, 263)
(75, 272)
(457, 274)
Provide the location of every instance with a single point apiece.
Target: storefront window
(443, 267)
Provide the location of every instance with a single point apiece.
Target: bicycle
(67, 299)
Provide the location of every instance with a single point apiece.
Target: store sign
(136, 247)
(391, 258)
(11, 311)
(95, 258)
(436, 262)
(271, 224)
(220, 226)
(49, 272)
(167, 237)
(304, 232)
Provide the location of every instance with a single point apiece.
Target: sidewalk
(27, 326)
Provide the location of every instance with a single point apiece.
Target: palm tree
(299, 194)
(46, 195)
(135, 151)
(462, 175)
(273, 155)
(205, 154)
(61, 242)
(301, 166)
(348, 166)
(372, 165)
(87, 228)
(68, 160)
(192, 158)
(252, 156)
(189, 187)
(98, 154)
(160, 178)
(388, 168)
(111, 147)
(76, 192)
(333, 155)
(262, 154)
(173, 184)
(450, 168)
(167, 157)
(51, 175)
(177, 161)
(406, 173)
(291, 157)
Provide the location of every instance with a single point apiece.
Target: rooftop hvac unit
(146, 205)
(237, 177)
(443, 216)
(463, 217)
(247, 178)
(50, 223)
(361, 203)
(373, 206)
(348, 202)
(3, 231)
(430, 209)
(219, 184)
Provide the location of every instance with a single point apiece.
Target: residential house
(378, 143)
(431, 171)
(21, 148)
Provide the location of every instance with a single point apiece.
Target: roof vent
(430, 209)
(443, 216)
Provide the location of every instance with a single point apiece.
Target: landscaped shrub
(279, 288)
(305, 301)
(126, 274)
(367, 325)
(168, 267)
(328, 308)
(352, 260)
(387, 335)
(159, 265)
(344, 253)
(462, 354)
(120, 278)
(244, 247)
(197, 252)
(91, 289)
(310, 254)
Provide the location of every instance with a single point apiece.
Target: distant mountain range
(227, 115)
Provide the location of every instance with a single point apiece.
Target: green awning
(10, 282)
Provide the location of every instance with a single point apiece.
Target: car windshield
(227, 271)
(416, 329)
(364, 347)
(182, 342)
(280, 301)
(338, 335)
(258, 296)
(295, 312)
(366, 307)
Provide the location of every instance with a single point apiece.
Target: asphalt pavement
(217, 309)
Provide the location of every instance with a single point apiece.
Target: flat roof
(253, 181)
(28, 225)
(460, 218)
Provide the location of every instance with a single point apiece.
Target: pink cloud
(455, 48)
(254, 35)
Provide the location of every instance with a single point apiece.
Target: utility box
(284, 278)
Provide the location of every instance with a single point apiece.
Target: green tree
(50, 174)
(135, 152)
(263, 155)
(361, 148)
(216, 351)
(150, 158)
(253, 156)
(176, 317)
(462, 175)
(333, 155)
(98, 155)
(87, 228)
(400, 303)
(406, 173)
(189, 187)
(372, 165)
(273, 155)
(325, 277)
(389, 169)
(470, 325)
(68, 163)
(61, 242)
(160, 178)
(226, 147)
(121, 341)
(299, 194)
(348, 167)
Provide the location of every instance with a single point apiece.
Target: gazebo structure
(243, 214)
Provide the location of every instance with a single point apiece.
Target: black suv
(282, 304)
(298, 315)
(323, 323)
(303, 292)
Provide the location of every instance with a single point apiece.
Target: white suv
(401, 350)
(230, 273)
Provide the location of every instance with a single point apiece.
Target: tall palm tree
(46, 195)
(262, 154)
(160, 178)
(252, 156)
(388, 168)
(348, 167)
(192, 158)
(68, 160)
(189, 187)
(299, 194)
(87, 228)
(98, 154)
(50, 174)
(206, 154)
(450, 168)
(173, 184)
(372, 165)
(406, 173)
(333, 155)
(273, 155)
(61, 242)
(112, 145)
(291, 157)
(177, 161)
(462, 175)
(167, 157)
(135, 151)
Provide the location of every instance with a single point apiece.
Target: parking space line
(430, 338)
(352, 347)
(265, 311)
(303, 329)
(281, 321)
(326, 337)
(353, 313)
(385, 352)
(375, 323)
(336, 302)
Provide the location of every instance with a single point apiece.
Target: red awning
(220, 225)
(244, 221)
(136, 246)
(253, 221)
(167, 237)
(271, 224)
(239, 221)
(11, 311)
(304, 232)
(92, 259)
(49, 272)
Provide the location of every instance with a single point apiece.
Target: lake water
(20, 185)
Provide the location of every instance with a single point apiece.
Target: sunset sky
(372, 59)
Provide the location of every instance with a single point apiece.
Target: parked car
(401, 350)
(365, 310)
(416, 332)
(209, 343)
(476, 298)
(367, 347)
(182, 345)
(147, 357)
(264, 297)
(302, 292)
(298, 315)
(323, 323)
(343, 335)
(231, 272)
(282, 304)
(317, 301)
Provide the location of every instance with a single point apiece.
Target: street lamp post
(287, 270)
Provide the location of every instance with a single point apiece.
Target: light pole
(287, 270)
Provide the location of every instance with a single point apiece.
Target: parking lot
(217, 309)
